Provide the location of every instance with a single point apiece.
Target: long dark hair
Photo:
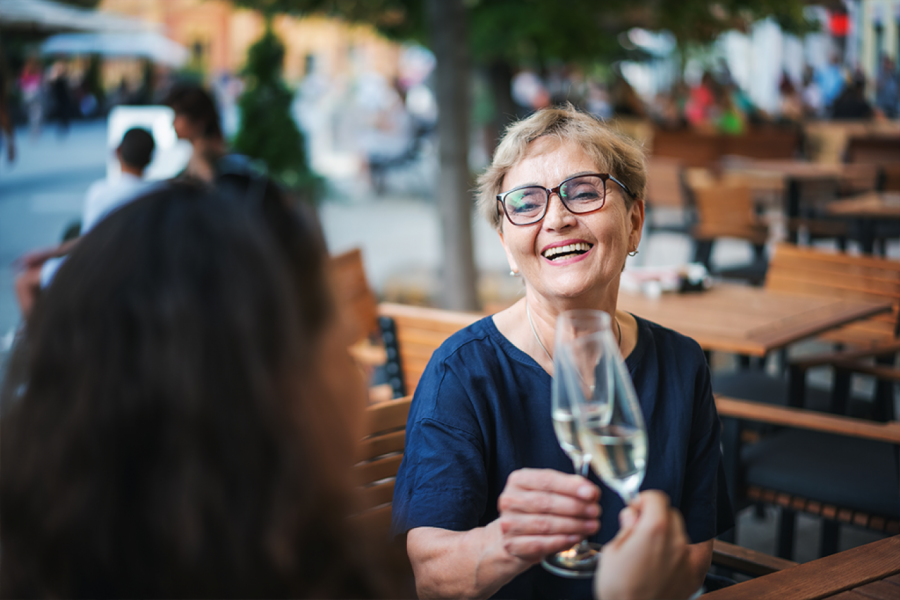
(198, 105)
(163, 431)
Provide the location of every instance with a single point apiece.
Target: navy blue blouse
(482, 411)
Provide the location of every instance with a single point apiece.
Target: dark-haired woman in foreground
(181, 418)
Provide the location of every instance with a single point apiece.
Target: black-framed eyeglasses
(580, 195)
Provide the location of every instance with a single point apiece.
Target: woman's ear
(636, 218)
(513, 266)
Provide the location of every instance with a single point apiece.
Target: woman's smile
(566, 252)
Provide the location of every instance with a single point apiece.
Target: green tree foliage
(268, 131)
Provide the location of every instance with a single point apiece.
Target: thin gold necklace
(544, 348)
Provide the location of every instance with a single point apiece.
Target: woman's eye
(584, 193)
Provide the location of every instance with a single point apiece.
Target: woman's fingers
(548, 503)
(522, 524)
(548, 480)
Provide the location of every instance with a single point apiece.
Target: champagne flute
(579, 561)
(614, 436)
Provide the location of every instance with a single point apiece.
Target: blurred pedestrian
(7, 135)
(61, 92)
(31, 83)
(852, 103)
(701, 102)
(887, 88)
(791, 103)
(813, 102)
(831, 81)
(197, 121)
(104, 196)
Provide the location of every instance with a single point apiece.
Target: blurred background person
(61, 94)
(813, 102)
(831, 81)
(7, 134)
(197, 121)
(38, 268)
(31, 83)
(790, 103)
(887, 88)
(851, 104)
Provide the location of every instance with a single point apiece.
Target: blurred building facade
(879, 24)
(218, 36)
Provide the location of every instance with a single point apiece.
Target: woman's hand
(649, 558)
(543, 511)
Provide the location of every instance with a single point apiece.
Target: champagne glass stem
(629, 496)
(583, 465)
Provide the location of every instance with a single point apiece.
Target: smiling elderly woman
(483, 492)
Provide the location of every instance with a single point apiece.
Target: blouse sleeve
(442, 480)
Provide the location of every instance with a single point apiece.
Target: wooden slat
(747, 561)
(805, 419)
(386, 415)
(375, 446)
(379, 469)
(878, 590)
(376, 495)
(821, 578)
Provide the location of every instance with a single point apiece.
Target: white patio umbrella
(44, 15)
(147, 44)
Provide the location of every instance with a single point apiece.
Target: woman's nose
(558, 216)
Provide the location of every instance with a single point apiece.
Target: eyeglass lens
(580, 195)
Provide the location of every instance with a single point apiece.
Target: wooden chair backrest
(727, 210)
(419, 333)
(351, 287)
(803, 270)
(380, 453)
(664, 183)
(873, 149)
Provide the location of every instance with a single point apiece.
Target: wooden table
(747, 320)
(793, 173)
(865, 211)
(869, 572)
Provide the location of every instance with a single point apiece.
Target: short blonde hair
(611, 151)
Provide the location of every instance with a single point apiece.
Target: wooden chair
(360, 309)
(380, 454)
(797, 270)
(411, 334)
(728, 211)
(667, 203)
(840, 469)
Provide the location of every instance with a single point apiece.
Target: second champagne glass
(579, 561)
(615, 437)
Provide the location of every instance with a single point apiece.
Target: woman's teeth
(560, 252)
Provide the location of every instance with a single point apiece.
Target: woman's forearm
(461, 564)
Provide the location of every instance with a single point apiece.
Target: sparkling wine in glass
(579, 561)
(615, 437)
